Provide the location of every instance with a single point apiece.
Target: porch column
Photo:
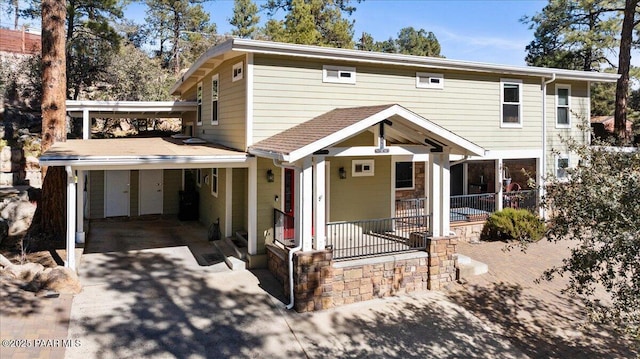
(539, 175)
(319, 204)
(439, 192)
(252, 211)
(86, 125)
(71, 220)
(498, 169)
(80, 208)
(304, 215)
(228, 193)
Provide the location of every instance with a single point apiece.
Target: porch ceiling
(138, 153)
(402, 127)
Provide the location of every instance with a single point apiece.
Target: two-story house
(311, 150)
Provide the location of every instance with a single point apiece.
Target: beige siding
(267, 192)
(230, 130)
(96, 194)
(360, 197)
(287, 92)
(172, 184)
(212, 207)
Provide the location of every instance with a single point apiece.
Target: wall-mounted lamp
(342, 172)
(270, 176)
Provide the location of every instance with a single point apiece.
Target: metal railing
(371, 237)
(283, 228)
(524, 199)
(472, 207)
(410, 207)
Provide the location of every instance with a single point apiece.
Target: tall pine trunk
(49, 219)
(624, 62)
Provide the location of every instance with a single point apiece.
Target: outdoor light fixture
(343, 173)
(270, 176)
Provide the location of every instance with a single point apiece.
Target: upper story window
(429, 81)
(339, 74)
(510, 103)
(199, 177)
(404, 175)
(563, 106)
(215, 93)
(199, 99)
(237, 73)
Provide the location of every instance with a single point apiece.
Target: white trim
(319, 202)
(237, 71)
(587, 132)
(215, 78)
(71, 220)
(568, 106)
(146, 162)
(249, 101)
(80, 186)
(440, 133)
(305, 210)
(86, 124)
(417, 151)
(340, 71)
(216, 176)
(232, 47)
(434, 81)
(520, 104)
(367, 167)
(509, 154)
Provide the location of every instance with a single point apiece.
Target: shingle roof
(316, 129)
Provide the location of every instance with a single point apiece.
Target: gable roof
(238, 47)
(338, 125)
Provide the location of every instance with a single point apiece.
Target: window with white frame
(199, 99)
(215, 94)
(339, 74)
(563, 106)
(199, 177)
(214, 182)
(510, 103)
(404, 175)
(361, 168)
(562, 163)
(429, 80)
(237, 72)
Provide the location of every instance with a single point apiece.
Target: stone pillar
(442, 262)
(312, 280)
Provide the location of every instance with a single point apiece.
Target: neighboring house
(604, 126)
(321, 154)
(20, 43)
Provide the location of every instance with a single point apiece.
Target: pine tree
(245, 18)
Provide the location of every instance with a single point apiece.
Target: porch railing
(471, 207)
(410, 207)
(361, 238)
(283, 229)
(525, 199)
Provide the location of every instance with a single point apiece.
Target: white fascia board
(509, 154)
(407, 150)
(283, 157)
(131, 106)
(274, 48)
(131, 162)
(212, 52)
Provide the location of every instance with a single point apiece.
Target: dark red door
(289, 202)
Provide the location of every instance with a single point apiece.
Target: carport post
(86, 125)
(71, 219)
(80, 208)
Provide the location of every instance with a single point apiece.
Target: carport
(80, 156)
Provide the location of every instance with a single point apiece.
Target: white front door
(151, 192)
(116, 193)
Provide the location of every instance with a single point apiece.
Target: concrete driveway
(160, 302)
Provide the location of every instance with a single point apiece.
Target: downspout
(291, 251)
(463, 160)
(544, 136)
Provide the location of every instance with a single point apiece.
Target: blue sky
(474, 30)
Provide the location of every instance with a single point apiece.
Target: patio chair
(511, 196)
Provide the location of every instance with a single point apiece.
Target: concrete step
(229, 254)
(468, 267)
(239, 247)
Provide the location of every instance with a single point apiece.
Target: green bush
(513, 224)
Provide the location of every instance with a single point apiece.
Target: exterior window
(339, 74)
(429, 81)
(215, 93)
(214, 182)
(237, 73)
(199, 177)
(199, 113)
(511, 103)
(562, 163)
(360, 168)
(404, 175)
(563, 103)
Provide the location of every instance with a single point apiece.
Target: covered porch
(342, 166)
